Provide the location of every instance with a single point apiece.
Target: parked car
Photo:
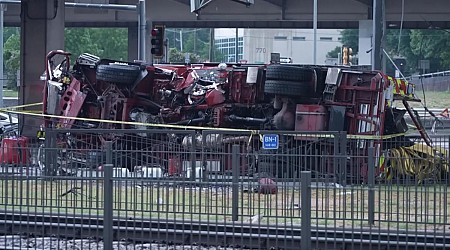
(8, 123)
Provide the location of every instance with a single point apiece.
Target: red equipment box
(311, 118)
(14, 150)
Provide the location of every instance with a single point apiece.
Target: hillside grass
(10, 93)
(433, 99)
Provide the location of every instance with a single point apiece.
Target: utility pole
(237, 46)
(211, 45)
(142, 31)
(2, 81)
(181, 40)
(315, 32)
(377, 34)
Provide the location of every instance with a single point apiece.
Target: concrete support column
(365, 42)
(133, 43)
(42, 30)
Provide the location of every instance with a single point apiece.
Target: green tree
(432, 45)
(12, 60)
(103, 42)
(414, 45)
(397, 45)
(11, 57)
(175, 56)
(197, 41)
(334, 53)
(194, 41)
(112, 42)
(80, 40)
(9, 31)
(349, 38)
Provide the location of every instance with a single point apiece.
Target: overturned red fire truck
(244, 97)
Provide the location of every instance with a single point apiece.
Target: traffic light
(350, 56)
(157, 41)
(347, 55)
(401, 63)
(344, 55)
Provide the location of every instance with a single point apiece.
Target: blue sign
(270, 141)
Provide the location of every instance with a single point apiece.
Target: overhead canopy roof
(261, 14)
(297, 13)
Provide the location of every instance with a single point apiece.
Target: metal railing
(428, 75)
(157, 188)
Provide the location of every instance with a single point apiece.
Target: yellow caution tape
(369, 137)
(130, 123)
(252, 132)
(21, 106)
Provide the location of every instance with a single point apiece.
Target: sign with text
(271, 141)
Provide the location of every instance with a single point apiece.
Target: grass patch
(433, 99)
(10, 93)
(413, 207)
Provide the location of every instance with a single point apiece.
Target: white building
(225, 42)
(297, 44)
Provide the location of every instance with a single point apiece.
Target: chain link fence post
(108, 198)
(343, 158)
(192, 158)
(235, 182)
(371, 184)
(305, 178)
(50, 153)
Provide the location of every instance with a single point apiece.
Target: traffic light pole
(377, 34)
(150, 57)
(315, 32)
(142, 33)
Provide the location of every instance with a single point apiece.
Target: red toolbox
(14, 150)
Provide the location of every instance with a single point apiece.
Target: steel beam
(185, 2)
(245, 2)
(366, 2)
(276, 2)
(203, 3)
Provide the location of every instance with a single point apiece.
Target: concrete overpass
(42, 22)
(262, 14)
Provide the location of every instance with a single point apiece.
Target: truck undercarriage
(225, 105)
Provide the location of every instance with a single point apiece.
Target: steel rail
(213, 234)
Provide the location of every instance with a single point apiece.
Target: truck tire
(117, 73)
(288, 88)
(289, 73)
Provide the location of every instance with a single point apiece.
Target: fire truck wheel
(117, 73)
(289, 88)
(289, 73)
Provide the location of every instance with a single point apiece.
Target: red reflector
(155, 32)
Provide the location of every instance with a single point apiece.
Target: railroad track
(215, 234)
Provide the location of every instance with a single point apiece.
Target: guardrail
(435, 74)
(428, 121)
